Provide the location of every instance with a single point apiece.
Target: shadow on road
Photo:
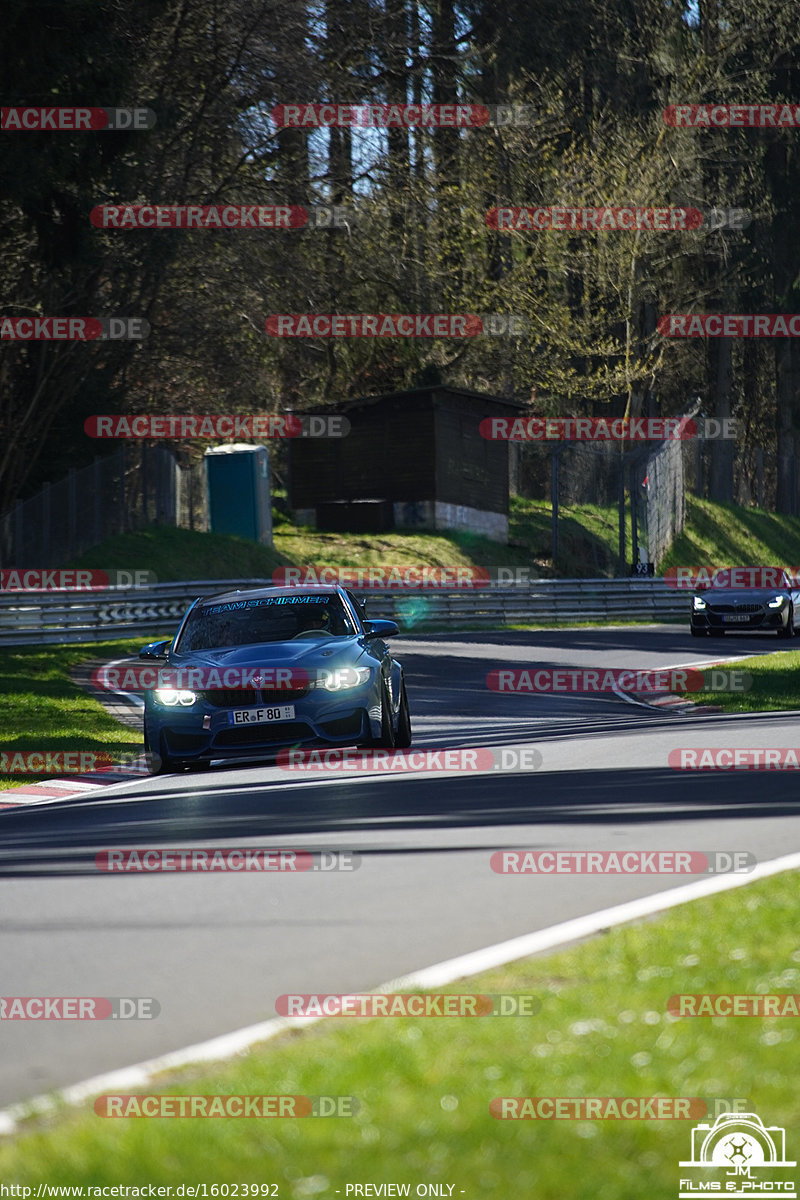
(65, 838)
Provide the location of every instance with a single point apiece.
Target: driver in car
(318, 619)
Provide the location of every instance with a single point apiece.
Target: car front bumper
(206, 732)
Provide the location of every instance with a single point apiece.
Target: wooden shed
(412, 459)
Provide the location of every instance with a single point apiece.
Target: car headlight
(344, 678)
(171, 697)
(776, 602)
(698, 603)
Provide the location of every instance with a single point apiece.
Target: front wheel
(158, 761)
(789, 630)
(386, 740)
(403, 737)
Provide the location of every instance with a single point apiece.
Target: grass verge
(42, 709)
(425, 1085)
(775, 685)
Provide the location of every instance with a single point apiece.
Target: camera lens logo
(730, 1150)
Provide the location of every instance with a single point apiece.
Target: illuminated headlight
(344, 678)
(776, 602)
(698, 603)
(172, 698)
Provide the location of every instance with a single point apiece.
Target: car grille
(247, 697)
(737, 608)
(282, 732)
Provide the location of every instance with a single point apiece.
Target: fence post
(72, 514)
(554, 502)
(634, 494)
(96, 473)
(123, 469)
(145, 486)
(46, 525)
(19, 533)
(621, 501)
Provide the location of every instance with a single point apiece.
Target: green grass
(42, 709)
(424, 1085)
(727, 535)
(588, 537)
(776, 685)
(716, 534)
(178, 554)
(587, 546)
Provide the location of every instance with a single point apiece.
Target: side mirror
(155, 649)
(380, 629)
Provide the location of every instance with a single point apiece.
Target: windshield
(265, 619)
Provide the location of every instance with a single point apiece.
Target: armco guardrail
(31, 618)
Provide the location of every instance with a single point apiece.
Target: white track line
(477, 961)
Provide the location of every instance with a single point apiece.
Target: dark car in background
(344, 689)
(720, 610)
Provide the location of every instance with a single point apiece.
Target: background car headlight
(344, 678)
(171, 698)
(776, 602)
(698, 603)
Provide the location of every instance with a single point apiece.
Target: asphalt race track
(216, 950)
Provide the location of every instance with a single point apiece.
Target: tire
(164, 764)
(386, 741)
(403, 736)
(789, 631)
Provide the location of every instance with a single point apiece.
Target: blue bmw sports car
(251, 672)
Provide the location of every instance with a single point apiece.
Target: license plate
(261, 716)
(727, 618)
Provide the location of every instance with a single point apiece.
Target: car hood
(306, 653)
(739, 595)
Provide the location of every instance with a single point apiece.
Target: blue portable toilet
(239, 498)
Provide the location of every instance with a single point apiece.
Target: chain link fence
(137, 486)
(647, 486)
